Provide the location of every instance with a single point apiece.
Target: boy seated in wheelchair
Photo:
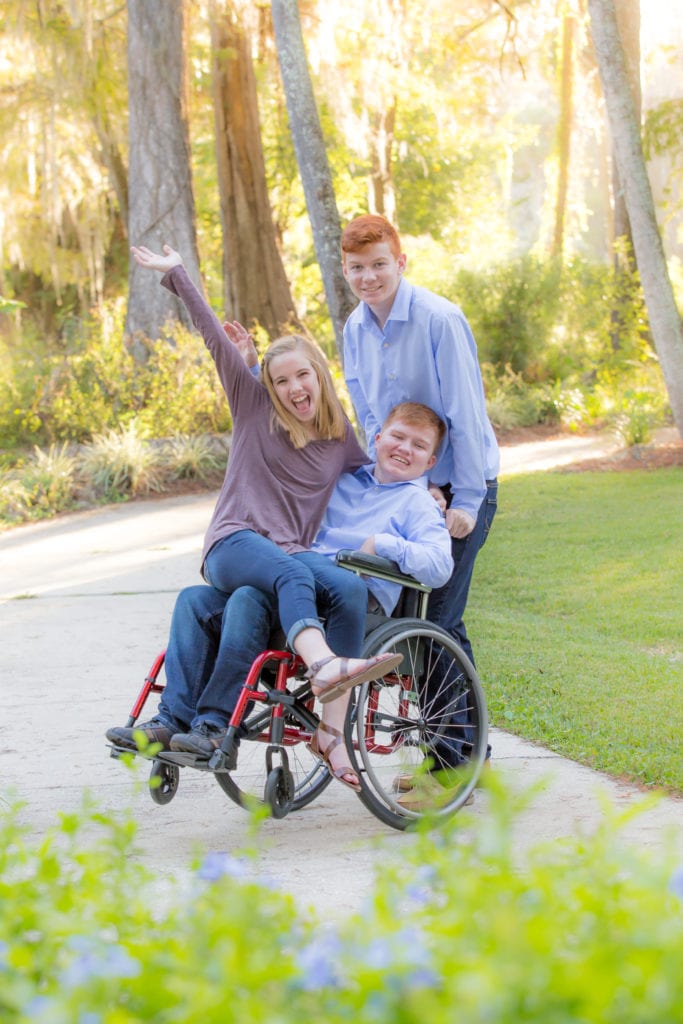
(385, 509)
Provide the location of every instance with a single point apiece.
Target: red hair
(420, 416)
(368, 229)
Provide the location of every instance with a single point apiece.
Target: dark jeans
(246, 559)
(212, 643)
(215, 637)
(447, 609)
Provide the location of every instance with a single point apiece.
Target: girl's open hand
(242, 340)
(144, 257)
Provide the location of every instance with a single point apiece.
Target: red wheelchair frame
(392, 724)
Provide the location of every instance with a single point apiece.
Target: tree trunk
(382, 193)
(628, 23)
(564, 131)
(254, 279)
(665, 321)
(311, 156)
(161, 201)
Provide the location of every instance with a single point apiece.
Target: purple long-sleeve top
(270, 486)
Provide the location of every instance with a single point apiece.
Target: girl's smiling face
(296, 384)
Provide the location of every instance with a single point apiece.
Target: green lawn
(576, 615)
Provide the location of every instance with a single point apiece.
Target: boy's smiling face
(405, 451)
(374, 274)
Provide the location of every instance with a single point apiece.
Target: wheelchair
(393, 724)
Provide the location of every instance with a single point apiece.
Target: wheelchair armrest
(382, 568)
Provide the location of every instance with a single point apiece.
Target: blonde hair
(330, 420)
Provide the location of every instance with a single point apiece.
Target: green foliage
(42, 486)
(636, 415)
(119, 462)
(94, 385)
(10, 305)
(662, 134)
(586, 930)
(547, 321)
(115, 466)
(179, 389)
(512, 402)
(189, 457)
(566, 344)
(575, 617)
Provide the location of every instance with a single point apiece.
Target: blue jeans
(215, 637)
(246, 559)
(212, 644)
(447, 608)
(342, 599)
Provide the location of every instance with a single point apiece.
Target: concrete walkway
(85, 602)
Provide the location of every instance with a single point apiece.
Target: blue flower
(676, 883)
(419, 889)
(422, 977)
(402, 956)
(37, 1007)
(319, 963)
(97, 961)
(379, 954)
(219, 864)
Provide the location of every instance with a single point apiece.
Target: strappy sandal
(324, 755)
(371, 668)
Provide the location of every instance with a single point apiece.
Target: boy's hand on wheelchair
(368, 546)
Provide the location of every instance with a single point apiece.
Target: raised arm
(144, 257)
(225, 345)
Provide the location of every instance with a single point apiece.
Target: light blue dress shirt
(425, 353)
(404, 520)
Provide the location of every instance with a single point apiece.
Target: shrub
(46, 484)
(179, 389)
(188, 457)
(120, 462)
(583, 931)
(636, 415)
(512, 308)
(512, 402)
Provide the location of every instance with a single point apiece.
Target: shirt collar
(422, 482)
(400, 308)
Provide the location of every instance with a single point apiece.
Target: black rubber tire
(169, 775)
(279, 791)
(393, 723)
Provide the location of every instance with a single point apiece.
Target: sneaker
(155, 730)
(203, 739)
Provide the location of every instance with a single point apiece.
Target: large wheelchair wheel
(251, 783)
(433, 701)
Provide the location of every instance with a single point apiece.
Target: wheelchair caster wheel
(279, 791)
(169, 776)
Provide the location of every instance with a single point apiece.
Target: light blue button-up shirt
(425, 353)
(404, 520)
